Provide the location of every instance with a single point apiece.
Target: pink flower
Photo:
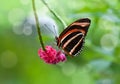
(51, 56)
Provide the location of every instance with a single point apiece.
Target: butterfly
(71, 40)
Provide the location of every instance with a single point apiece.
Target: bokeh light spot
(17, 29)
(25, 2)
(109, 42)
(68, 68)
(100, 64)
(16, 15)
(82, 76)
(27, 30)
(105, 81)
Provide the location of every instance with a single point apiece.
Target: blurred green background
(98, 63)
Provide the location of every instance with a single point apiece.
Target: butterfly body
(72, 38)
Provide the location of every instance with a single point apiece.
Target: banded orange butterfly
(72, 38)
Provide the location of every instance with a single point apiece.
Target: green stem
(63, 23)
(37, 25)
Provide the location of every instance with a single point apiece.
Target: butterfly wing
(81, 24)
(74, 44)
(72, 38)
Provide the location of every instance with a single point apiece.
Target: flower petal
(51, 56)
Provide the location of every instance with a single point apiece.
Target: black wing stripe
(75, 49)
(67, 37)
(71, 43)
(72, 38)
(78, 48)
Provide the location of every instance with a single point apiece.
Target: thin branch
(37, 25)
(58, 17)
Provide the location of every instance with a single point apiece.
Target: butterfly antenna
(55, 31)
(50, 29)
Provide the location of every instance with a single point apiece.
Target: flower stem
(37, 25)
(58, 17)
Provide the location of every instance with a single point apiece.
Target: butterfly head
(57, 41)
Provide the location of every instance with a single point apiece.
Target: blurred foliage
(98, 63)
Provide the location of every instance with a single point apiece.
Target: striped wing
(72, 43)
(72, 38)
